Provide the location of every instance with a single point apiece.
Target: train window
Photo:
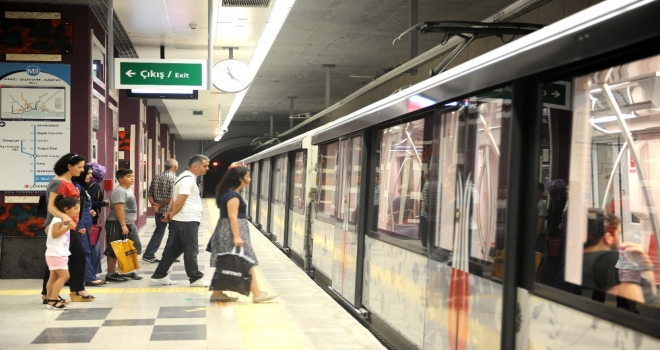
(254, 187)
(400, 172)
(279, 179)
(264, 192)
(327, 171)
(605, 246)
(298, 202)
(354, 176)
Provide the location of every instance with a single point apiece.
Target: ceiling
(356, 36)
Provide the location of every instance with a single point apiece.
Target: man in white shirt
(184, 216)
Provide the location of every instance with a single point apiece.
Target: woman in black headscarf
(85, 225)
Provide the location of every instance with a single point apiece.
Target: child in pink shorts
(57, 251)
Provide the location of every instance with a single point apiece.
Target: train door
(347, 199)
(264, 194)
(254, 195)
(323, 229)
(465, 272)
(278, 200)
(296, 207)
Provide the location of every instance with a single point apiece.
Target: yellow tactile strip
(115, 291)
(263, 326)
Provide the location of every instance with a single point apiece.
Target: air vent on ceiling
(198, 112)
(245, 3)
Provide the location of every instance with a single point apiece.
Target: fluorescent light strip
(611, 118)
(276, 19)
(154, 91)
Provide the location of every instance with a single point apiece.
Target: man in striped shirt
(160, 195)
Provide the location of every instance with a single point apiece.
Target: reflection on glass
(354, 179)
(614, 185)
(254, 186)
(279, 179)
(327, 169)
(401, 168)
(265, 179)
(298, 202)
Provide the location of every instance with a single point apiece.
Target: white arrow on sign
(556, 94)
(130, 73)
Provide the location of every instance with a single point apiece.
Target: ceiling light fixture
(276, 19)
(611, 118)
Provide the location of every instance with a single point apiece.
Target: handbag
(232, 272)
(554, 246)
(126, 255)
(94, 235)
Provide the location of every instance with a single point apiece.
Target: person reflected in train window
(497, 251)
(601, 254)
(424, 210)
(402, 215)
(401, 220)
(374, 213)
(354, 204)
(554, 259)
(542, 210)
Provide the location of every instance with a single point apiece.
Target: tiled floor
(143, 315)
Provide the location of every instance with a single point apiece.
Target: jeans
(157, 238)
(185, 241)
(90, 274)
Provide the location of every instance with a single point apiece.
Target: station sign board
(160, 74)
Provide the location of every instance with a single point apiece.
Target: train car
(506, 203)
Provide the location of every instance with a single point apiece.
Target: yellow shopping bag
(127, 255)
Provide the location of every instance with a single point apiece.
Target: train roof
(600, 29)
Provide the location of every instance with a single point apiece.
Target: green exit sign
(160, 74)
(555, 95)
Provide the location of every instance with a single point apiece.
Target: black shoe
(151, 260)
(116, 277)
(132, 275)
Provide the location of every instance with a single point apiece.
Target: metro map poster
(34, 123)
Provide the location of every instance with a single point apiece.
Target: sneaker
(151, 260)
(223, 297)
(166, 281)
(201, 283)
(132, 275)
(263, 296)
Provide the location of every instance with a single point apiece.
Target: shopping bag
(232, 272)
(94, 235)
(126, 255)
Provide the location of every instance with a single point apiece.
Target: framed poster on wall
(115, 119)
(95, 146)
(98, 62)
(95, 114)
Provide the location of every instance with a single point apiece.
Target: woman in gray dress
(232, 229)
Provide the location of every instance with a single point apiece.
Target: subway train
(464, 212)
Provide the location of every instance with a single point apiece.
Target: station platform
(138, 314)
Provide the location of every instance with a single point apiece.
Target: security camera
(224, 130)
(193, 25)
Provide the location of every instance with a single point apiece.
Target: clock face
(231, 76)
